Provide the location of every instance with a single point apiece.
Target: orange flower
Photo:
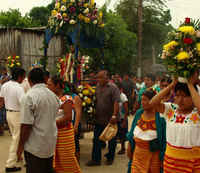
(195, 118)
(170, 114)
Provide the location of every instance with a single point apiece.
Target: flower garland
(181, 54)
(71, 12)
(87, 95)
(13, 61)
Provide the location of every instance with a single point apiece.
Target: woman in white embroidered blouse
(183, 127)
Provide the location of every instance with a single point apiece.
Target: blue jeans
(2, 116)
(97, 145)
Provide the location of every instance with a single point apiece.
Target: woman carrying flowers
(146, 139)
(183, 126)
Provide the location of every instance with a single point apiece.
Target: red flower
(72, 9)
(187, 20)
(188, 41)
(180, 119)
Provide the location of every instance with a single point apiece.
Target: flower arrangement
(60, 64)
(87, 95)
(71, 12)
(13, 61)
(181, 54)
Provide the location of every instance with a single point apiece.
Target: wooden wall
(27, 43)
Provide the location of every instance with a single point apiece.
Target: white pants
(13, 119)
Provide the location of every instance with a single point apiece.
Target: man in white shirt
(11, 94)
(38, 125)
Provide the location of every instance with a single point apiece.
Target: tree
(120, 46)
(13, 19)
(39, 16)
(155, 23)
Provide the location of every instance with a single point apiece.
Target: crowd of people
(43, 114)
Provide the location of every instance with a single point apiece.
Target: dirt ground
(119, 165)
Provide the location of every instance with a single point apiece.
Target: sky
(179, 8)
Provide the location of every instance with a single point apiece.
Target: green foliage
(119, 49)
(13, 19)
(156, 18)
(39, 16)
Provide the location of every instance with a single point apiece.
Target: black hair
(183, 87)
(119, 85)
(36, 75)
(166, 79)
(151, 76)
(46, 74)
(58, 81)
(149, 93)
(17, 72)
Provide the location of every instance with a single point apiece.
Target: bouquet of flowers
(181, 54)
(67, 13)
(87, 94)
(13, 61)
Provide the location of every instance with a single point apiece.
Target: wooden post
(140, 28)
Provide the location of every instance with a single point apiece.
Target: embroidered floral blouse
(183, 130)
(145, 129)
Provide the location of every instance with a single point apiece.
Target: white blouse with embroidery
(183, 130)
(145, 135)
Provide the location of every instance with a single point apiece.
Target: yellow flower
(170, 45)
(187, 30)
(100, 14)
(198, 47)
(57, 5)
(87, 20)
(64, 1)
(92, 2)
(54, 13)
(9, 57)
(64, 14)
(83, 104)
(88, 101)
(12, 65)
(93, 91)
(17, 57)
(80, 16)
(86, 92)
(85, 5)
(18, 64)
(102, 25)
(182, 56)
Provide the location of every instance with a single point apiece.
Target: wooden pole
(140, 29)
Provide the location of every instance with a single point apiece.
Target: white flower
(91, 109)
(61, 23)
(86, 11)
(85, 98)
(95, 22)
(72, 22)
(81, 95)
(80, 87)
(63, 8)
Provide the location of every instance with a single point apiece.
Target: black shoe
(109, 162)
(14, 169)
(121, 152)
(93, 163)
